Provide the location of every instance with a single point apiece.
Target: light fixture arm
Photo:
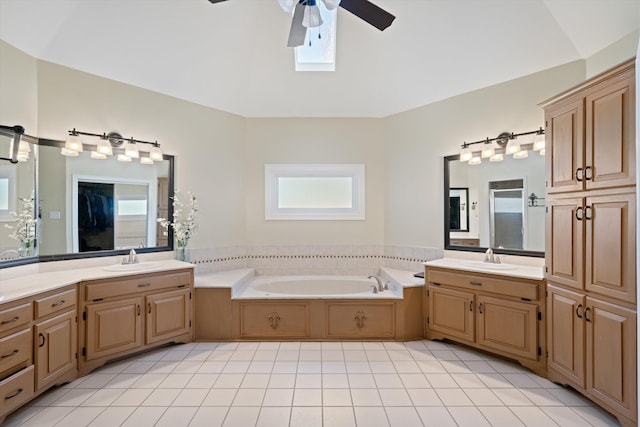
(114, 138)
(503, 138)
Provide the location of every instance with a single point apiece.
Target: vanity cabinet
(133, 313)
(591, 134)
(590, 240)
(498, 314)
(360, 320)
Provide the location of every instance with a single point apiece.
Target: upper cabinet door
(565, 140)
(610, 134)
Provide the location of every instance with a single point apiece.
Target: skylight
(319, 53)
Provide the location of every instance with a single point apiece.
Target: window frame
(354, 171)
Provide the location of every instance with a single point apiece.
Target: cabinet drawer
(274, 319)
(130, 285)
(55, 303)
(366, 320)
(507, 287)
(15, 351)
(16, 390)
(15, 316)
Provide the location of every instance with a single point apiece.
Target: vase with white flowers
(185, 208)
(24, 228)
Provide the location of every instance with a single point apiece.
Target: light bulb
(70, 153)
(73, 143)
(488, 150)
(512, 147)
(465, 154)
(155, 153)
(521, 154)
(98, 156)
(538, 142)
(131, 150)
(104, 147)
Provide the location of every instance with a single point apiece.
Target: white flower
(24, 228)
(183, 218)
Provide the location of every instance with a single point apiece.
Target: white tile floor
(418, 383)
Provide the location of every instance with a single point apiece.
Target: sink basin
(489, 266)
(133, 267)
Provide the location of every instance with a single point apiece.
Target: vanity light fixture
(108, 141)
(507, 143)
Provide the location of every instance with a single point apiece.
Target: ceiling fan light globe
(311, 17)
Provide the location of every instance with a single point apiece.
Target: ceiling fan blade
(298, 32)
(369, 12)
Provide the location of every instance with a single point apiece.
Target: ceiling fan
(306, 15)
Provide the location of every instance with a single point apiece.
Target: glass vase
(182, 252)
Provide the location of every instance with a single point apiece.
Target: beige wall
(207, 143)
(221, 156)
(417, 142)
(613, 54)
(314, 141)
(18, 89)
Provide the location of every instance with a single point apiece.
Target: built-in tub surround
(238, 304)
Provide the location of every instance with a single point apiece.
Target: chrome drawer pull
(14, 352)
(14, 394)
(15, 319)
(55, 304)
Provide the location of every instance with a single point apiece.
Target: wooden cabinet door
(610, 267)
(451, 312)
(565, 333)
(168, 314)
(565, 147)
(611, 355)
(610, 134)
(113, 327)
(275, 319)
(564, 241)
(55, 348)
(508, 326)
(363, 320)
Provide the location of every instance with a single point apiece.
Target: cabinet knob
(586, 311)
(588, 176)
(42, 340)
(480, 308)
(579, 175)
(579, 213)
(588, 213)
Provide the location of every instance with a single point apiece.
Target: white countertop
(521, 271)
(37, 282)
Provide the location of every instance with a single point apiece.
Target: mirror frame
(94, 254)
(447, 240)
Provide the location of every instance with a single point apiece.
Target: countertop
(37, 282)
(521, 271)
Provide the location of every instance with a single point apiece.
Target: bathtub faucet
(380, 287)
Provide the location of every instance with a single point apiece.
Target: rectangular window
(318, 53)
(314, 192)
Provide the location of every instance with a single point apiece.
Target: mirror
(501, 213)
(90, 207)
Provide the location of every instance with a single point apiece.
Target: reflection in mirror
(97, 206)
(459, 209)
(496, 219)
(17, 193)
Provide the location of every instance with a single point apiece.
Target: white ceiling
(233, 56)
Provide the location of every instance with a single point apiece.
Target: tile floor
(311, 384)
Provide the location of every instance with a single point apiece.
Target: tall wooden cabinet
(590, 240)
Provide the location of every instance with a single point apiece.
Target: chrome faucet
(380, 287)
(490, 257)
(131, 259)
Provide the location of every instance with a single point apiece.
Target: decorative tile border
(290, 260)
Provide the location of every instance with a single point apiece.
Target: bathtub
(314, 287)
